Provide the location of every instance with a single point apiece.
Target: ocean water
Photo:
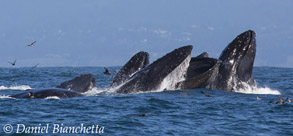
(180, 112)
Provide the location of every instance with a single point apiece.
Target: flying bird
(32, 44)
(12, 63)
(35, 66)
(281, 100)
(207, 95)
(141, 115)
(107, 72)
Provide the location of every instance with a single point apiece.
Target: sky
(108, 32)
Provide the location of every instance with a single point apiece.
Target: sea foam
(52, 97)
(5, 97)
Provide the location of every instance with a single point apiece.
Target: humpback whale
(229, 72)
(203, 55)
(44, 93)
(79, 84)
(67, 89)
(136, 63)
(153, 76)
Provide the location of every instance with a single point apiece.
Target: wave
(247, 89)
(20, 87)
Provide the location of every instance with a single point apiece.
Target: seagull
(32, 44)
(287, 99)
(281, 100)
(107, 72)
(12, 63)
(258, 98)
(207, 95)
(141, 115)
(35, 66)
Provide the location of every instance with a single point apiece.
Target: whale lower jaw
(162, 74)
(176, 76)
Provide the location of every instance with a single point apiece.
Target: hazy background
(109, 32)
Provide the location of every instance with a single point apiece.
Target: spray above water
(247, 89)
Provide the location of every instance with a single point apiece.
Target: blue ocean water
(180, 112)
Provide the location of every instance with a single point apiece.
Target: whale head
(81, 84)
(237, 61)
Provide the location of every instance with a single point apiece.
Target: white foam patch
(52, 97)
(97, 91)
(20, 87)
(247, 89)
(177, 75)
(5, 97)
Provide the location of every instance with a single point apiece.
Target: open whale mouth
(199, 72)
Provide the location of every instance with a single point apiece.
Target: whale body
(45, 93)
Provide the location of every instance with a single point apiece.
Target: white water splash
(52, 97)
(247, 89)
(5, 97)
(20, 87)
(94, 91)
(176, 76)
